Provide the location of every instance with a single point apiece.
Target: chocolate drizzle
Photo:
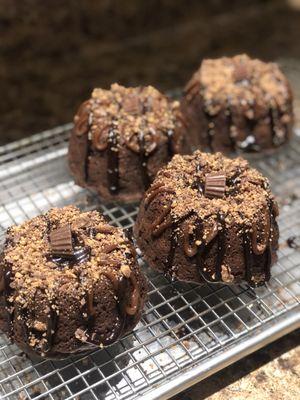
(88, 146)
(221, 240)
(230, 125)
(198, 184)
(80, 255)
(154, 191)
(143, 160)
(170, 136)
(172, 251)
(279, 134)
(128, 297)
(258, 253)
(52, 321)
(81, 128)
(217, 237)
(8, 291)
(120, 286)
(210, 131)
(113, 160)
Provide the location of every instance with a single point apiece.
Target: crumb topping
(246, 190)
(249, 84)
(39, 280)
(130, 111)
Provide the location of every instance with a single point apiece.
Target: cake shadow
(98, 371)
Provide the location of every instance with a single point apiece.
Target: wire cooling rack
(187, 332)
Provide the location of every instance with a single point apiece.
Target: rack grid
(187, 332)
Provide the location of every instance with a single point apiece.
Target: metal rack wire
(187, 332)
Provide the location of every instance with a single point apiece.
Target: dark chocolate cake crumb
(121, 138)
(238, 104)
(294, 242)
(194, 237)
(69, 283)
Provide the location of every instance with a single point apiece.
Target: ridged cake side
(69, 283)
(121, 138)
(209, 218)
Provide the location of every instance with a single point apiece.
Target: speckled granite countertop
(272, 373)
(51, 60)
(52, 57)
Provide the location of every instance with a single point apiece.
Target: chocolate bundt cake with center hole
(207, 218)
(121, 138)
(69, 283)
(238, 104)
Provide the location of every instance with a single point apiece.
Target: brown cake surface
(121, 138)
(238, 104)
(209, 218)
(69, 283)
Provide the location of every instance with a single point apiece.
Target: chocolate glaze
(8, 278)
(51, 329)
(235, 178)
(113, 161)
(134, 298)
(210, 132)
(87, 157)
(221, 240)
(80, 255)
(250, 126)
(229, 123)
(216, 237)
(198, 184)
(192, 89)
(249, 258)
(275, 124)
(190, 246)
(172, 251)
(272, 125)
(257, 248)
(143, 160)
(170, 136)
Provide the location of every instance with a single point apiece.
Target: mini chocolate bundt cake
(207, 218)
(238, 104)
(121, 138)
(69, 283)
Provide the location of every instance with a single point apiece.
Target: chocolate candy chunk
(241, 72)
(294, 242)
(215, 185)
(61, 241)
